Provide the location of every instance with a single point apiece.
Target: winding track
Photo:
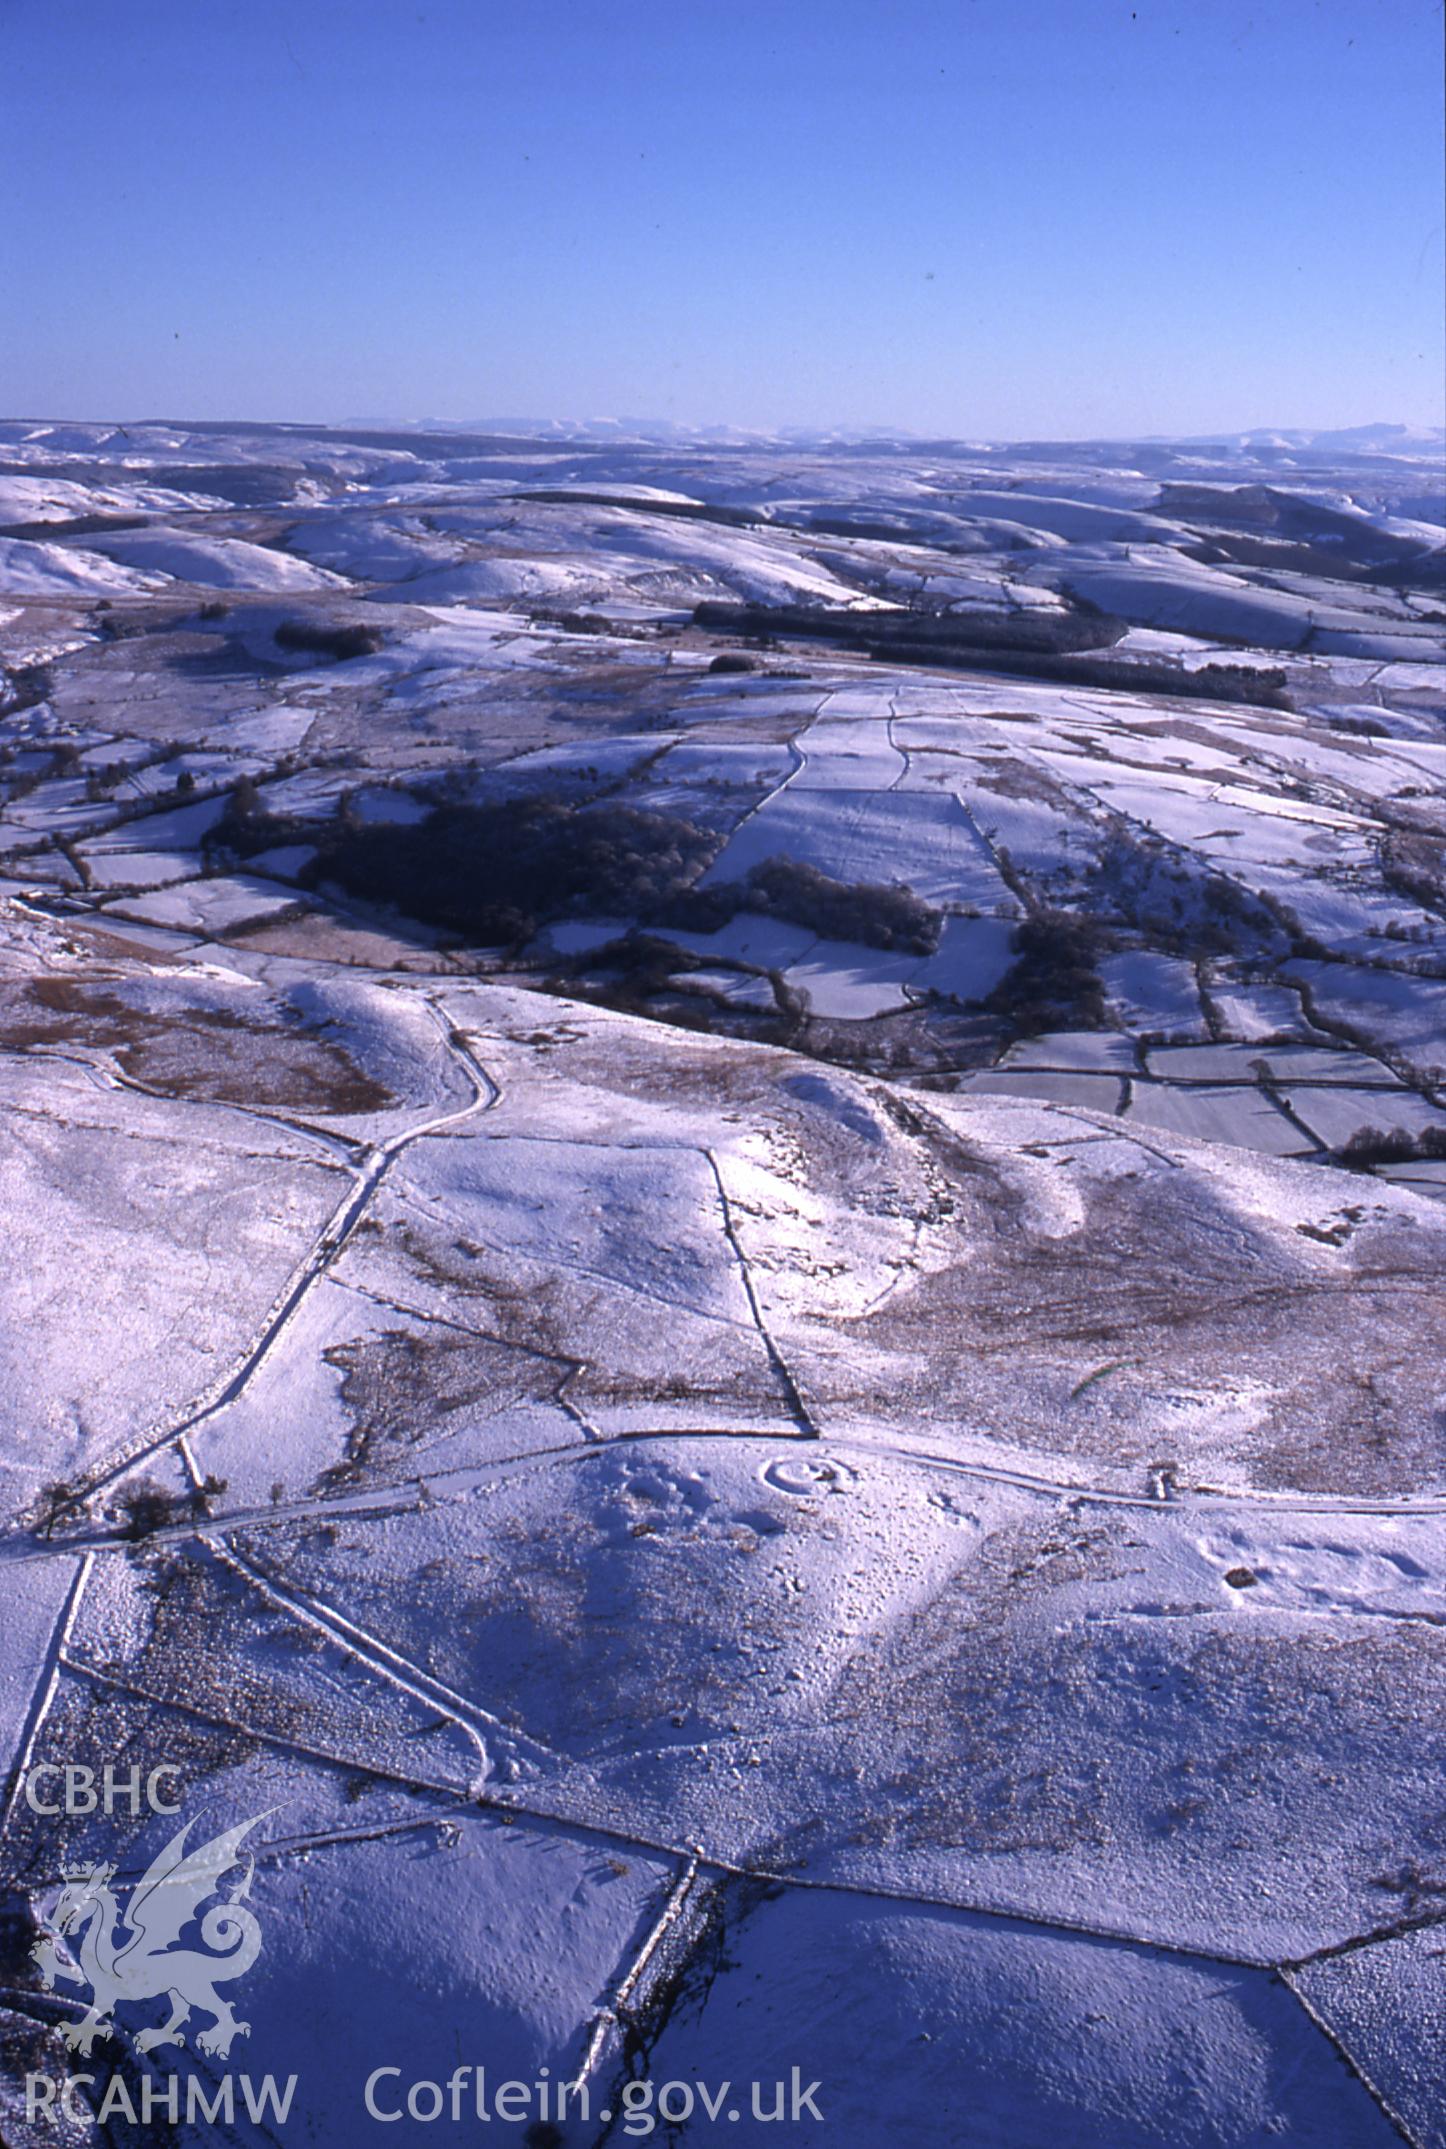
(485, 1095)
(694, 1868)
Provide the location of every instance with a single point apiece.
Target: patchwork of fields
(725, 1184)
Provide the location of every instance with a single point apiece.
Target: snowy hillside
(725, 1204)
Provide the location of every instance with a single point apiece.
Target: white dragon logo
(137, 1960)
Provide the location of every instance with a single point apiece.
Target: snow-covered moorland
(725, 1192)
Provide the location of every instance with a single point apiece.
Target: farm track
(368, 1178)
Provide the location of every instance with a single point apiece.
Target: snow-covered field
(742, 1313)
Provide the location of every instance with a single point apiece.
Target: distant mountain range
(1381, 437)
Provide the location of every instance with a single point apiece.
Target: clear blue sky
(987, 217)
